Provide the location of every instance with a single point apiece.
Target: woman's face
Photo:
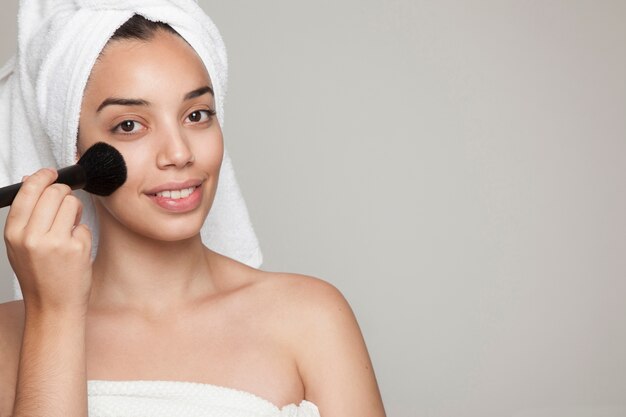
(152, 100)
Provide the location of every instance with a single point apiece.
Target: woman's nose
(175, 150)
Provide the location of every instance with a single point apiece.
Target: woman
(156, 304)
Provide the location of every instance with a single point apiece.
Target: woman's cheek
(212, 153)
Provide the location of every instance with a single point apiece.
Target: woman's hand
(47, 247)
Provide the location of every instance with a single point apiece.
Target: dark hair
(138, 27)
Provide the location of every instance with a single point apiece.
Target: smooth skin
(156, 303)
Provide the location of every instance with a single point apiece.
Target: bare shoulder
(11, 325)
(11, 329)
(305, 290)
(316, 307)
(11, 310)
(292, 295)
(330, 351)
(300, 307)
(304, 300)
(309, 309)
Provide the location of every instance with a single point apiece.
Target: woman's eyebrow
(140, 102)
(198, 92)
(122, 102)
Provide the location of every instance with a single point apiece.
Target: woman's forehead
(165, 62)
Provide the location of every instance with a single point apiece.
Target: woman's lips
(175, 185)
(179, 205)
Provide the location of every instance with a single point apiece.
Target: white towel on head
(41, 91)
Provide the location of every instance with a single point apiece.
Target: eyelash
(211, 113)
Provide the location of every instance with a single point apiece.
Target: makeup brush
(101, 170)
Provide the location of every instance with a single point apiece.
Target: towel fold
(41, 90)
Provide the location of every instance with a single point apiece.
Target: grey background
(456, 169)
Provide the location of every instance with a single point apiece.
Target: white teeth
(176, 194)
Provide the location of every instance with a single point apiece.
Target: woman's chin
(152, 225)
(173, 235)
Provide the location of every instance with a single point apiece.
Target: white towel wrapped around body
(188, 399)
(41, 91)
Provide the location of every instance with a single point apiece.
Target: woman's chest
(240, 354)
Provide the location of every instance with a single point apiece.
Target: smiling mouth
(176, 194)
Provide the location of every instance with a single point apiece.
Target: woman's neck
(150, 276)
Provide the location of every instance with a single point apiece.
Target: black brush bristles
(104, 167)
(101, 170)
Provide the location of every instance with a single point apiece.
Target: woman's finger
(68, 216)
(83, 234)
(26, 199)
(47, 208)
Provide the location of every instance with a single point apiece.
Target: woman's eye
(199, 116)
(128, 126)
